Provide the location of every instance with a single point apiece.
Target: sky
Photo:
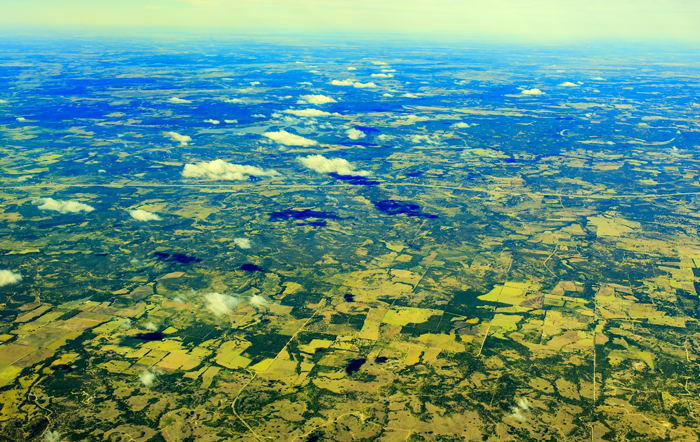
(542, 20)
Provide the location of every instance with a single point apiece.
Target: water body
(380, 359)
(349, 297)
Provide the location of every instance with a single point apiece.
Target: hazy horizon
(545, 21)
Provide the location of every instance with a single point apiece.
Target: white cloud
(101, 171)
(179, 100)
(305, 83)
(230, 121)
(460, 125)
(523, 405)
(8, 277)
(258, 301)
(143, 215)
(21, 119)
(126, 324)
(532, 92)
(258, 116)
(340, 166)
(151, 326)
(385, 137)
(569, 84)
(309, 113)
(3, 101)
(254, 83)
(182, 139)
(598, 78)
(147, 378)
(364, 85)
(352, 68)
(426, 139)
(382, 75)
(52, 436)
(235, 100)
(221, 304)
(221, 170)
(343, 82)
(515, 414)
(355, 134)
(62, 206)
(318, 99)
(243, 243)
(284, 137)
(410, 95)
(387, 95)
(212, 121)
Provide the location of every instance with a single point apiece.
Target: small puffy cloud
(243, 243)
(340, 166)
(254, 83)
(354, 134)
(516, 414)
(236, 100)
(8, 277)
(387, 95)
(385, 137)
(598, 78)
(21, 119)
(532, 92)
(143, 215)
(101, 171)
(221, 170)
(352, 68)
(318, 99)
(62, 206)
(182, 139)
(151, 326)
(126, 324)
(284, 137)
(521, 406)
(568, 84)
(258, 301)
(365, 85)
(410, 95)
(383, 75)
(308, 113)
(460, 125)
(230, 121)
(221, 304)
(343, 82)
(212, 121)
(147, 378)
(425, 139)
(52, 436)
(258, 116)
(3, 101)
(179, 100)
